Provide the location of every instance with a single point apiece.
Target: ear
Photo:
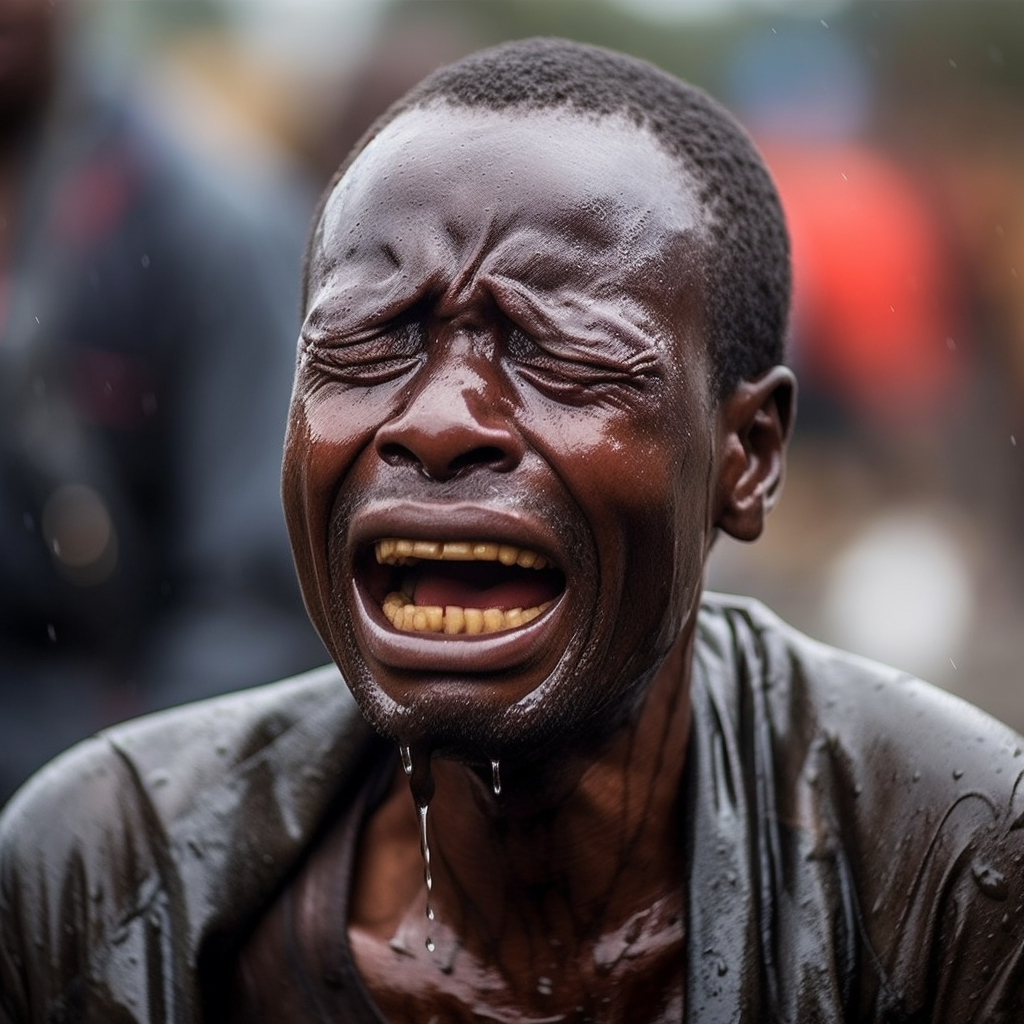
(754, 424)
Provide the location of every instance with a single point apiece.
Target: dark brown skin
(504, 343)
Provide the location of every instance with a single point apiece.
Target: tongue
(483, 585)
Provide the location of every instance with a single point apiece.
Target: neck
(538, 873)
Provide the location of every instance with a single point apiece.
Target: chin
(567, 714)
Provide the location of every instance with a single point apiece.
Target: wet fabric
(323, 984)
(854, 844)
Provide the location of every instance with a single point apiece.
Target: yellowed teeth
(398, 551)
(453, 620)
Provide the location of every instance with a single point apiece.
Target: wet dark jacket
(853, 839)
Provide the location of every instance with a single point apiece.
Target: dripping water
(428, 880)
(496, 776)
(421, 785)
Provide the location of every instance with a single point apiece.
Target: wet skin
(504, 345)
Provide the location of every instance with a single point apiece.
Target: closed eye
(370, 358)
(569, 373)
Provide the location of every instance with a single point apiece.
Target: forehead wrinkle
(589, 216)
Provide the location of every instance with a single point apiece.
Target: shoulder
(909, 799)
(166, 760)
(875, 716)
(139, 825)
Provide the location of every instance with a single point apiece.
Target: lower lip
(430, 652)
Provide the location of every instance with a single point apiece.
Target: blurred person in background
(147, 317)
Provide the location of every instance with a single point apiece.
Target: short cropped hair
(746, 273)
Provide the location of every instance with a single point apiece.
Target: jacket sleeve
(78, 855)
(938, 794)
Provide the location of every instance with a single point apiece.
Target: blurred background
(159, 161)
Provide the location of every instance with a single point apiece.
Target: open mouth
(457, 588)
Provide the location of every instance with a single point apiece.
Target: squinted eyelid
(355, 306)
(601, 334)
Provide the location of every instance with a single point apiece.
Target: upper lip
(453, 522)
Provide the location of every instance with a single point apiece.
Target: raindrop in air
(496, 776)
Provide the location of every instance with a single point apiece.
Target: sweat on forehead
(564, 226)
(747, 268)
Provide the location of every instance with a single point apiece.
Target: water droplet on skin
(990, 881)
(430, 945)
(496, 777)
(958, 773)
(406, 759)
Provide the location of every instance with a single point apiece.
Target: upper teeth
(395, 551)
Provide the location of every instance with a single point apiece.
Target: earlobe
(754, 424)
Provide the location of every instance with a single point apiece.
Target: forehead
(598, 182)
(576, 225)
(558, 159)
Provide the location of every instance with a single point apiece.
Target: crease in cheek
(323, 449)
(303, 522)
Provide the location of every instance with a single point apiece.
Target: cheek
(328, 427)
(327, 430)
(627, 468)
(641, 479)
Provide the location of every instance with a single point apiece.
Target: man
(539, 371)
(145, 315)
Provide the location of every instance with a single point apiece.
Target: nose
(456, 421)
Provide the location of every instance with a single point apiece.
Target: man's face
(502, 362)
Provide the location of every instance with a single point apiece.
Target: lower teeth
(453, 620)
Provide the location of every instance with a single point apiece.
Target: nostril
(485, 455)
(441, 468)
(397, 455)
